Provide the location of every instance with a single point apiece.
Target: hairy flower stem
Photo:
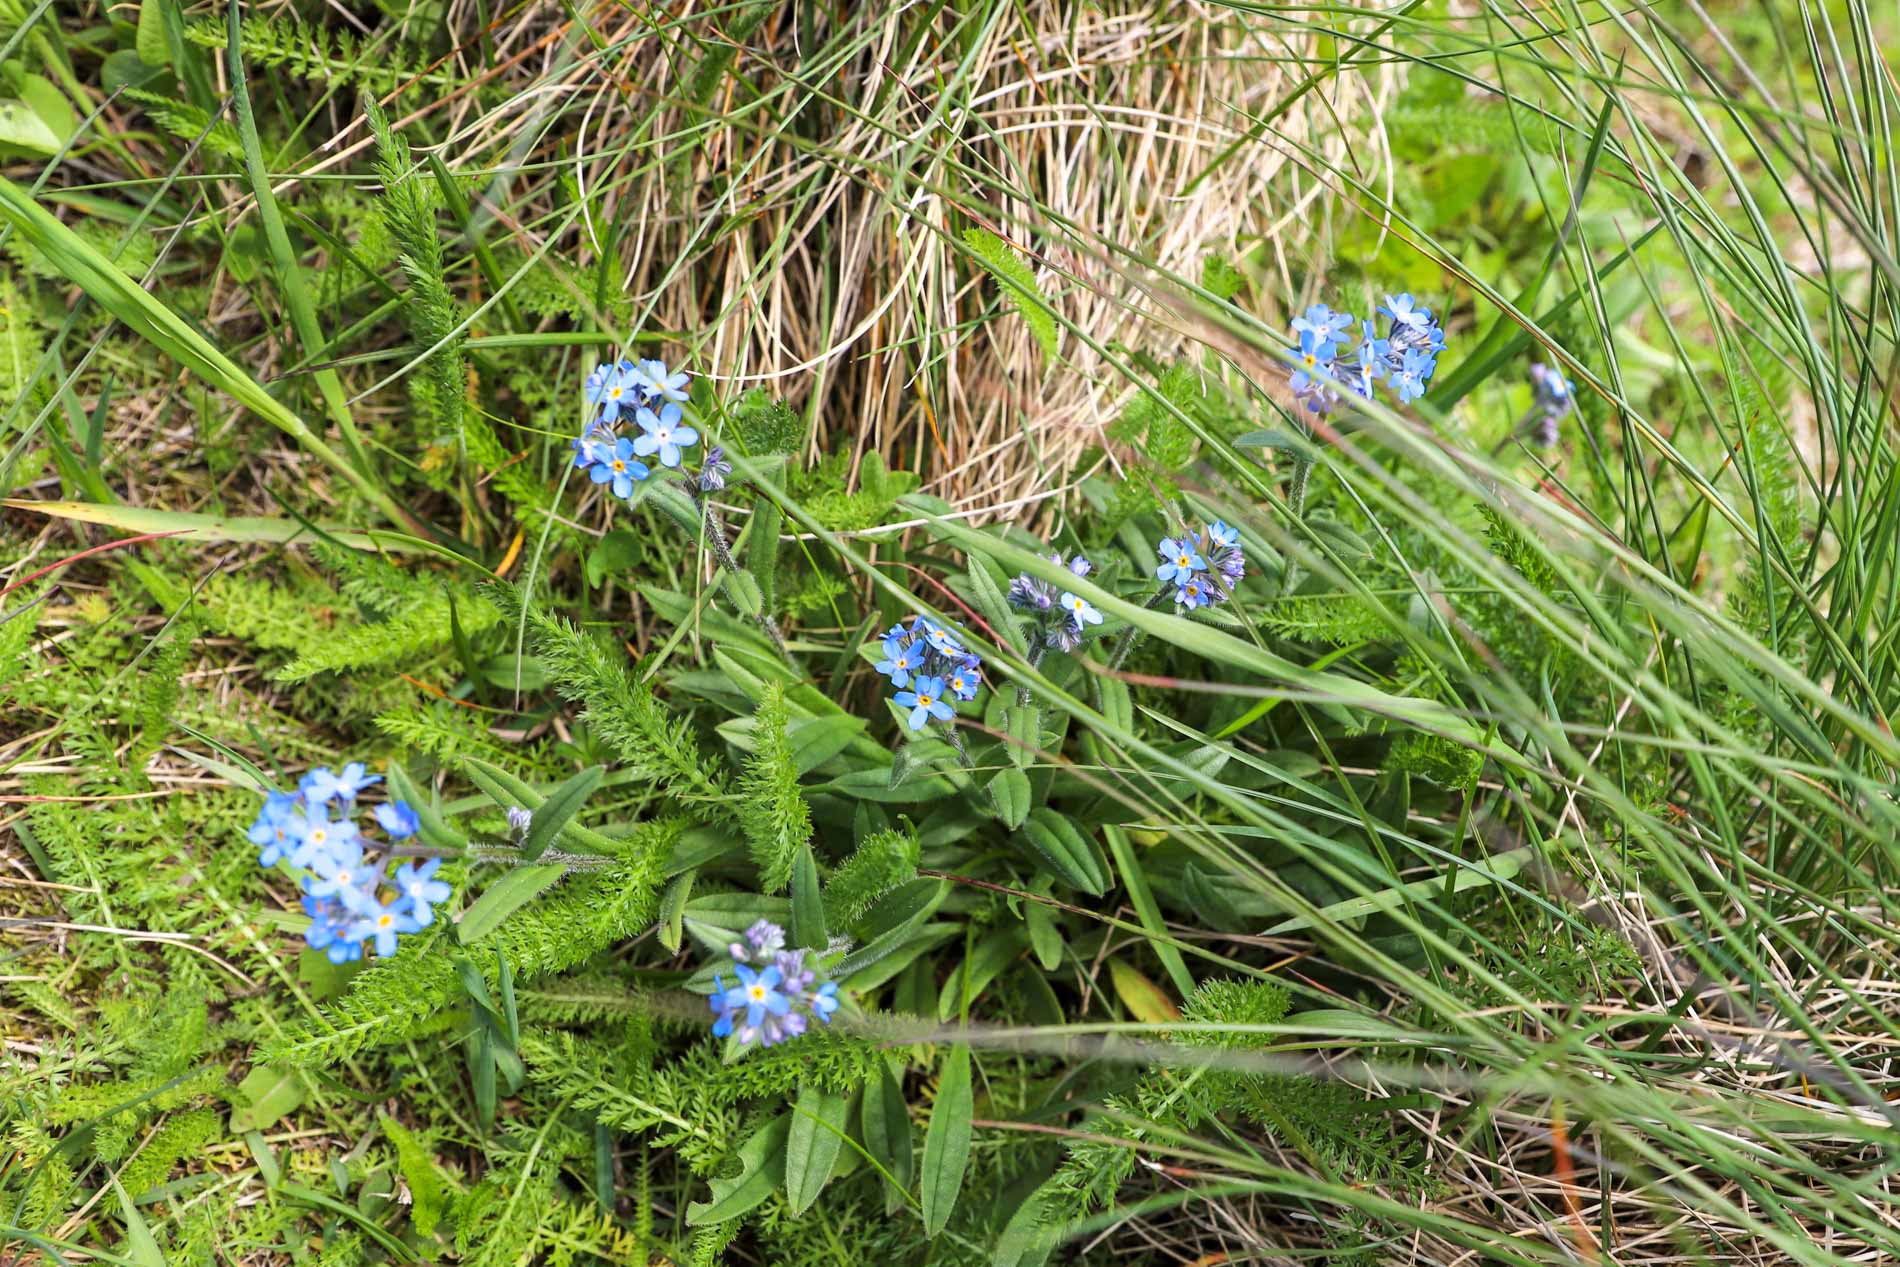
(969, 766)
(1126, 642)
(503, 855)
(1296, 502)
(1036, 653)
(722, 551)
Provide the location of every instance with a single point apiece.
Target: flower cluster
(1058, 619)
(930, 668)
(1338, 355)
(1204, 567)
(351, 900)
(777, 993)
(645, 394)
(1552, 396)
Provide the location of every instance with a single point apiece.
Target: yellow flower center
(1311, 360)
(925, 700)
(758, 993)
(1183, 560)
(619, 465)
(318, 836)
(383, 921)
(343, 877)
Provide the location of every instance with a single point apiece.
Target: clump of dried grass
(803, 222)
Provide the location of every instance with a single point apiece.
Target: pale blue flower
(321, 785)
(419, 887)
(1404, 311)
(662, 433)
(758, 995)
(902, 662)
(941, 640)
(1179, 560)
(925, 702)
(381, 922)
(620, 391)
(965, 681)
(277, 828)
(620, 468)
(653, 379)
(321, 839)
(1081, 611)
(343, 876)
(398, 819)
(1313, 361)
(1322, 322)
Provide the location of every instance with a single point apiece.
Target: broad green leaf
(563, 803)
(1144, 1000)
(808, 902)
(1118, 707)
(503, 898)
(434, 829)
(1075, 859)
(1025, 732)
(150, 40)
(22, 130)
(762, 1162)
(947, 1141)
(884, 1121)
(813, 1143)
(268, 1096)
(992, 603)
(815, 740)
(507, 791)
(1134, 877)
(673, 908)
(616, 552)
(141, 1247)
(1010, 794)
(1044, 937)
(745, 593)
(984, 964)
(215, 528)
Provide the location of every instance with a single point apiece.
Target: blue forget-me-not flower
(777, 991)
(346, 890)
(925, 701)
(928, 660)
(1325, 362)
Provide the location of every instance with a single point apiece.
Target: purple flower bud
(714, 470)
(766, 937)
(1029, 594)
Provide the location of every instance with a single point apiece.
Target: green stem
(1036, 653)
(1126, 642)
(1296, 503)
(722, 551)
